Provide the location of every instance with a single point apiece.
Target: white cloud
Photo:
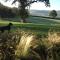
(9, 3)
(34, 6)
(41, 6)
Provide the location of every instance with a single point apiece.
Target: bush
(53, 14)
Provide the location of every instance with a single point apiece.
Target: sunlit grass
(54, 37)
(28, 43)
(24, 45)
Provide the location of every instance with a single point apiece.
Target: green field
(34, 23)
(38, 25)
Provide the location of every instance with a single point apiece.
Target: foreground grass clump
(52, 43)
(27, 46)
(54, 37)
(11, 42)
(8, 42)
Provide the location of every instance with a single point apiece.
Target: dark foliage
(53, 14)
(6, 12)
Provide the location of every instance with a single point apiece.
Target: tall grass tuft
(26, 42)
(54, 37)
(24, 45)
(54, 45)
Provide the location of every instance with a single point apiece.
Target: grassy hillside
(34, 23)
(42, 20)
(38, 25)
(35, 19)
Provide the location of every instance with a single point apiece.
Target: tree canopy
(24, 3)
(7, 12)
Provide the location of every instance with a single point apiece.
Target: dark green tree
(6, 12)
(24, 3)
(53, 14)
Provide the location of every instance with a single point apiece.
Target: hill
(42, 12)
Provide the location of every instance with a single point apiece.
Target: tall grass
(54, 37)
(52, 42)
(23, 44)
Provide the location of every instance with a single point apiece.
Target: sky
(38, 6)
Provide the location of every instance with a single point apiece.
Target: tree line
(7, 12)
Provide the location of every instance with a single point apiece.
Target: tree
(6, 12)
(53, 14)
(24, 3)
(23, 14)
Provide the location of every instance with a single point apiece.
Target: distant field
(42, 20)
(36, 19)
(36, 24)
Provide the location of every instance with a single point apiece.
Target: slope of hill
(35, 19)
(41, 20)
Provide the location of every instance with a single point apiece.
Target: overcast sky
(55, 5)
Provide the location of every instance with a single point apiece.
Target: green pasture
(35, 19)
(38, 25)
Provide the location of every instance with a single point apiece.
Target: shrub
(53, 14)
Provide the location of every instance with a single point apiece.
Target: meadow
(38, 39)
(37, 24)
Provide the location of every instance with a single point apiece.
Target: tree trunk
(23, 20)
